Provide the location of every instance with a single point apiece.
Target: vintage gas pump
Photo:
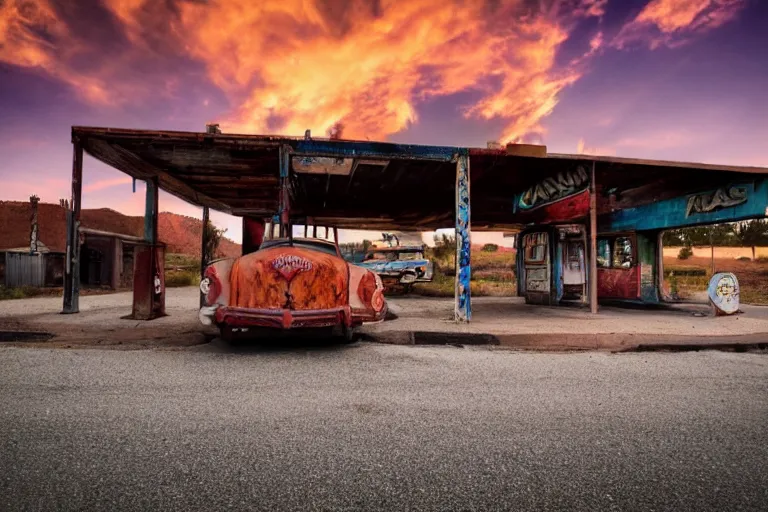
(148, 281)
(149, 263)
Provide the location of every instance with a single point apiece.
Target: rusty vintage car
(290, 284)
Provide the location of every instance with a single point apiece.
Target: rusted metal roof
(376, 185)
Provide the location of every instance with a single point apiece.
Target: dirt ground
(752, 276)
(101, 321)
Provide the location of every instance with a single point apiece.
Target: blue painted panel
(519, 266)
(557, 267)
(373, 150)
(647, 250)
(671, 213)
(285, 161)
(392, 266)
(462, 308)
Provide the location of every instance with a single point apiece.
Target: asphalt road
(373, 427)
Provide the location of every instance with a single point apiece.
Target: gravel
(373, 427)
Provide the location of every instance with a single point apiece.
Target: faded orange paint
(288, 277)
(366, 288)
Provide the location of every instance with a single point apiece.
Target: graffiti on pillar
(724, 197)
(462, 309)
(554, 188)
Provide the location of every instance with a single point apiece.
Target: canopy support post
(151, 207)
(593, 242)
(203, 246)
(462, 306)
(284, 199)
(72, 262)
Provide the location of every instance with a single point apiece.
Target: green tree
(445, 247)
(213, 236)
(752, 233)
(722, 235)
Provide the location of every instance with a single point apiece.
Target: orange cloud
(99, 64)
(29, 35)
(298, 64)
(289, 65)
(673, 22)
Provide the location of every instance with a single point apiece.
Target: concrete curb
(576, 342)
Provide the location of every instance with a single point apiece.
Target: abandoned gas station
(590, 226)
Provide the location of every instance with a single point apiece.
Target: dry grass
(21, 292)
(493, 275)
(178, 278)
(752, 276)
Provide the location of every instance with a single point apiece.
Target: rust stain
(258, 283)
(618, 283)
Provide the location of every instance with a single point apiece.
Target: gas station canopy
(378, 185)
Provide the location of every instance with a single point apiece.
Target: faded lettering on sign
(710, 201)
(554, 188)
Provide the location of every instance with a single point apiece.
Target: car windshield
(314, 245)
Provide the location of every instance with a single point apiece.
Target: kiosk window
(535, 245)
(622, 252)
(603, 253)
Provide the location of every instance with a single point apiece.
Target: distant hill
(180, 233)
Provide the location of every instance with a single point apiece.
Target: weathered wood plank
(72, 261)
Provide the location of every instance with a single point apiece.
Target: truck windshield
(409, 256)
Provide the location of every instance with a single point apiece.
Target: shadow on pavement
(267, 344)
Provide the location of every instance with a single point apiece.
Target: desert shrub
(180, 278)
(673, 288)
(181, 260)
(490, 248)
(685, 253)
(685, 270)
(21, 292)
(762, 259)
(744, 258)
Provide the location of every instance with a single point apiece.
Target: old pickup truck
(404, 264)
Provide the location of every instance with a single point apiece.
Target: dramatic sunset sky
(669, 79)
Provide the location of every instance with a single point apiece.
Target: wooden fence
(22, 269)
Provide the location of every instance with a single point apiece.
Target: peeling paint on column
(462, 309)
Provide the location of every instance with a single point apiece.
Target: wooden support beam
(462, 306)
(593, 242)
(72, 262)
(203, 246)
(151, 206)
(284, 199)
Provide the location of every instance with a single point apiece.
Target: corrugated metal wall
(23, 269)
